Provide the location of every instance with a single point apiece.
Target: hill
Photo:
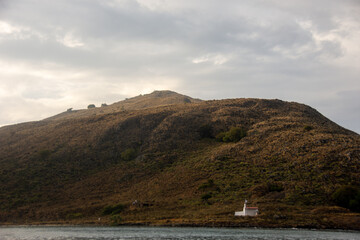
(155, 99)
(168, 159)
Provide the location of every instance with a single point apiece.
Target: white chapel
(248, 211)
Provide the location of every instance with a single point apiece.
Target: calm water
(142, 233)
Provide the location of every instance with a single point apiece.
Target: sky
(56, 55)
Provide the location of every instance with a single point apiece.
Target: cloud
(71, 41)
(72, 53)
(6, 28)
(216, 59)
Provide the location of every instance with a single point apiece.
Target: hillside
(156, 157)
(155, 99)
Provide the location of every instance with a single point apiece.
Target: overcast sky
(57, 54)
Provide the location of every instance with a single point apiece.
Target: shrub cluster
(113, 209)
(348, 197)
(235, 134)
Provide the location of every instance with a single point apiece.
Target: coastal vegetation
(161, 159)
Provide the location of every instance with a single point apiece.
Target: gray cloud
(63, 54)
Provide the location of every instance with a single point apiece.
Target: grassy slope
(68, 169)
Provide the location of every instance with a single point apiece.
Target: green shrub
(128, 154)
(113, 209)
(347, 197)
(220, 137)
(235, 134)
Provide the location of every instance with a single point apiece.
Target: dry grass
(67, 168)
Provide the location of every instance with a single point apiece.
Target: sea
(168, 233)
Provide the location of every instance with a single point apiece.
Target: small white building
(248, 211)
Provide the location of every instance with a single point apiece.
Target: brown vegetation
(156, 150)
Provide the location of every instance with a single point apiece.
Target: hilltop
(159, 159)
(154, 99)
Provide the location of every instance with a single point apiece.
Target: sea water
(168, 233)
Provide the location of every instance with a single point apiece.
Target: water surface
(168, 233)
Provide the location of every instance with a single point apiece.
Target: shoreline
(178, 225)
(174, 226)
